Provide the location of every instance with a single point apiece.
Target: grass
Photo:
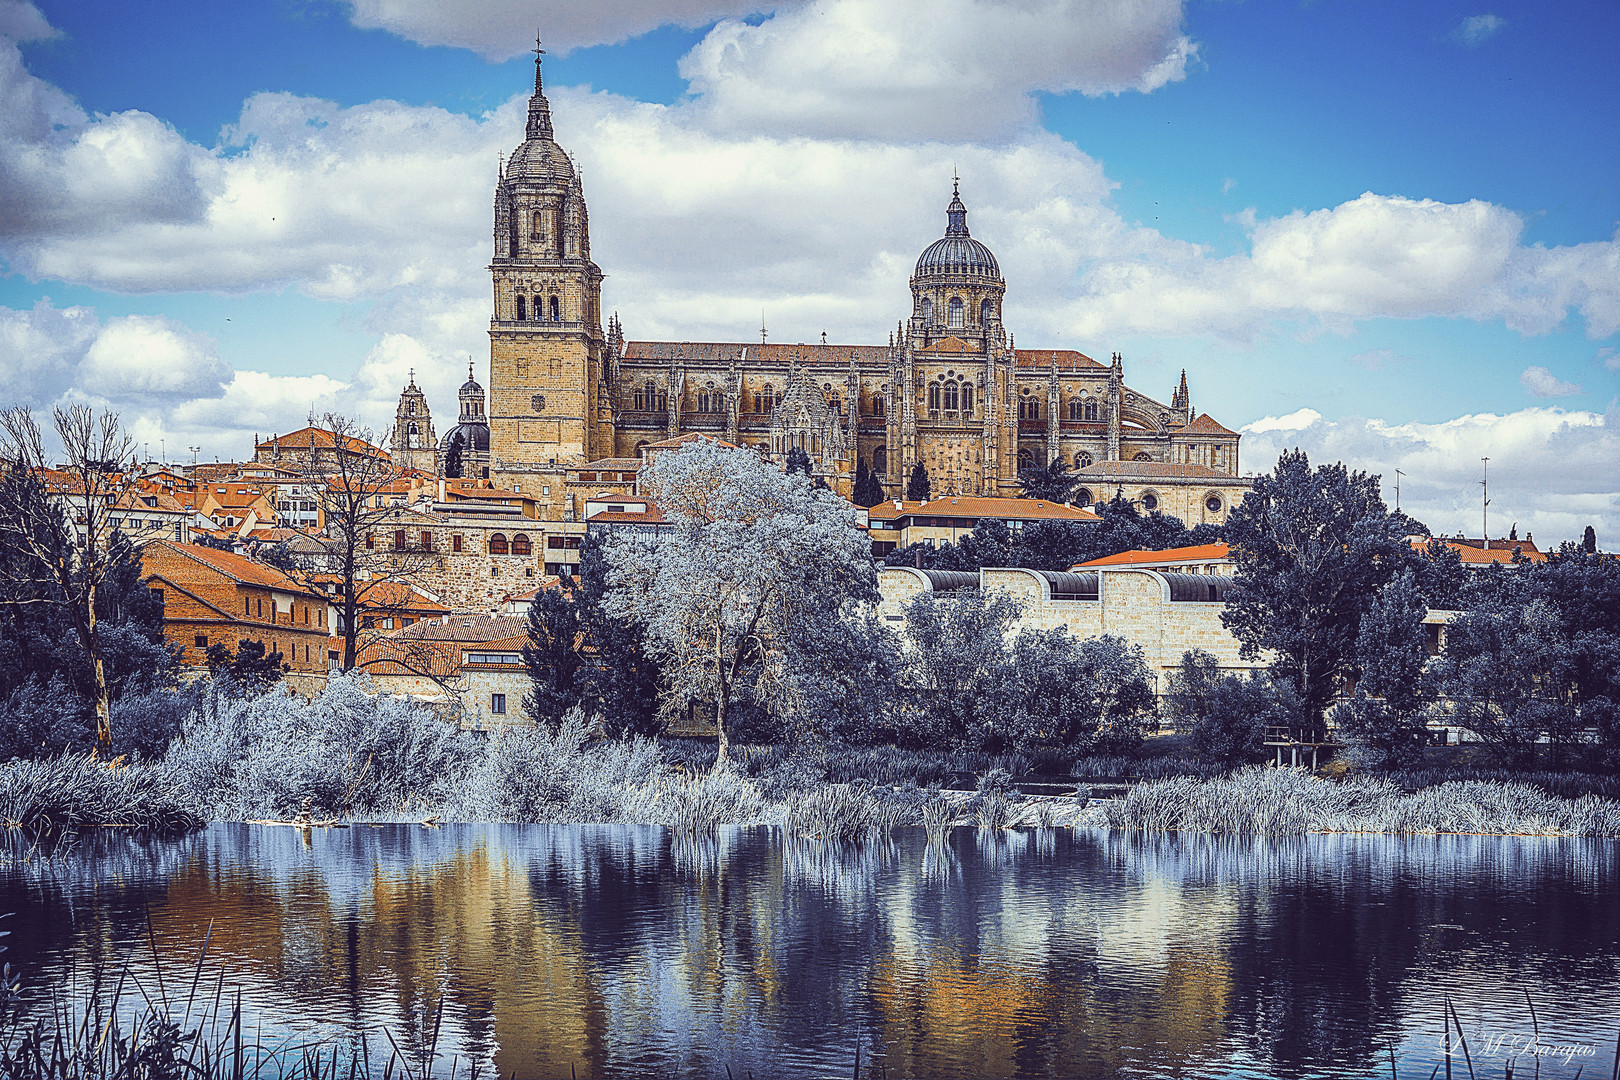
(47, 797)
(1277, 802)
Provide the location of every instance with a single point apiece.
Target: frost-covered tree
(748, 598)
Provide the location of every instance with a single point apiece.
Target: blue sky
(1384, 232)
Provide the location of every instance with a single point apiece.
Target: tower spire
(539, 126)
(539, 53)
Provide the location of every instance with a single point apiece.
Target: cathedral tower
(956, 289)
(412, 445)
(547, 397)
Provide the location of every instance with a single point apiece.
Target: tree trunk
(92, 646)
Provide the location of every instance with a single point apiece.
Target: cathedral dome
(957, 252)
(540, 159)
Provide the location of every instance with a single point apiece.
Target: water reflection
(629, 951)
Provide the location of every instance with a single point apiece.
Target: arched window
(877, 406)
(766, 400)
(950, 396)
(555, 310)
(520, 544)
(410, 409)
(1150, 501)
(1091, 410)
(880, 460)
(522, 310)
(1142, 455)
(497, 544)
(703, 401)
(663, 400)
(926, 309)
(956, 312)
(537, 224)
(933, 397)
(410, 429)
(1083, 497)
(1029, 409)
(967, 398)
(1082, 460)
(1076, 410)
(987, 312)
(836, 404)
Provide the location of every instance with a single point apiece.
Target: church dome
(957, 252)
(474, 437)
(540, 159)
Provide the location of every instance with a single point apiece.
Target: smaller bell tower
(413, 444)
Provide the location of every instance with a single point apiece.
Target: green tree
(918, 486)
(749, 598)
(798, 461)
(1312, 547)
(250, 668)
(1383, 723)
(868, 491)
(1589, 540)
(1225, 716)
(454, 450)
(1079, 695)
(1053, 483)
(955, 668)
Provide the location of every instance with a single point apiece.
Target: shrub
(49, 795)
(537, 775)
(1225, 716)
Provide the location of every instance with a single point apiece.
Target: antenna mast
(1485, 503)
(1398, 475)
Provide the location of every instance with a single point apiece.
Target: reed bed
(1281, 802)
(47, 797)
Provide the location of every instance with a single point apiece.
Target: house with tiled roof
(213, 597)
(311, 449)
(475, 663)
(945, 520)
(1195, 559)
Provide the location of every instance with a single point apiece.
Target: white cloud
(502, 29)
(22, 21)
(951, 69)
(1552, 470)
(1477, 29)
(141, 356)
(1541, 383)
(1610, 357)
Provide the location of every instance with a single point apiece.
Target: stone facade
(412, 444)
(1164, 614)
(949, 389)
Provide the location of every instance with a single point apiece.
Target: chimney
(441, 489)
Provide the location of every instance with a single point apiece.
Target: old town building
(412, 444)
(949, 390)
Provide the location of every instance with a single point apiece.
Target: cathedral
(948, 389)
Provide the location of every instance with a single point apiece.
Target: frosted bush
(534, 775)
(721, 796)
(349, 751)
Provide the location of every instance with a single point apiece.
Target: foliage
(868, 490)
(1589, 540)
(750, 600)
(144, 723)
(798, 461)
(1058, 545)
(47, 796)
(562, 775)
(1383, 724)
(1225, 715)
(918, 487)
(1090, 696)
(348, 751)
(250, 668)
(957, 658)
(1053, 483)
(1312, 547)
(454, 452)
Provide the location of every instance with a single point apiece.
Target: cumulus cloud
(1376, 256)
(1552, 470)
(502, 29)
(952, 69)
(1539, 382)
(150, 356)
(1477, 29)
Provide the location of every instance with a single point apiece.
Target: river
(626, 951)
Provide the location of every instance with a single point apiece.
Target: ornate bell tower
(547, 390)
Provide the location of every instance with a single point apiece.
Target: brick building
(213, 597)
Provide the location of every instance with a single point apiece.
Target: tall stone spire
(539, 108)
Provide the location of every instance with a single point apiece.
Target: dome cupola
(957, 252)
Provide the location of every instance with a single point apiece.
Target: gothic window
(767, 400)
(520, 544)
(663, 401)
(956, 312)
(1083, 497)
(522, 310)
(987, 312)
(877, 406)
(1091, 410)
(933, 397)
(927, 311)
(703, 401)
(1142, 455)
(1076, 410)
(555, 316)
(647, 396)
(837, 405)
(1082, 460)
(497, 544)
(967, 398)
(1150, 501)
(410, 409)
(410, 428)
(950, 396)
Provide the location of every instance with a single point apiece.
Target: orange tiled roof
(240, 568)
(1196, 553)
(321, 439)
(689, 437)
(1152, 470)
(1500, 551)
(1204, 424)
(474, 628)
(983, 507)
(950, 344)
(1067, 359)
(397, 596)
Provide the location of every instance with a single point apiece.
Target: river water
(625, 951)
